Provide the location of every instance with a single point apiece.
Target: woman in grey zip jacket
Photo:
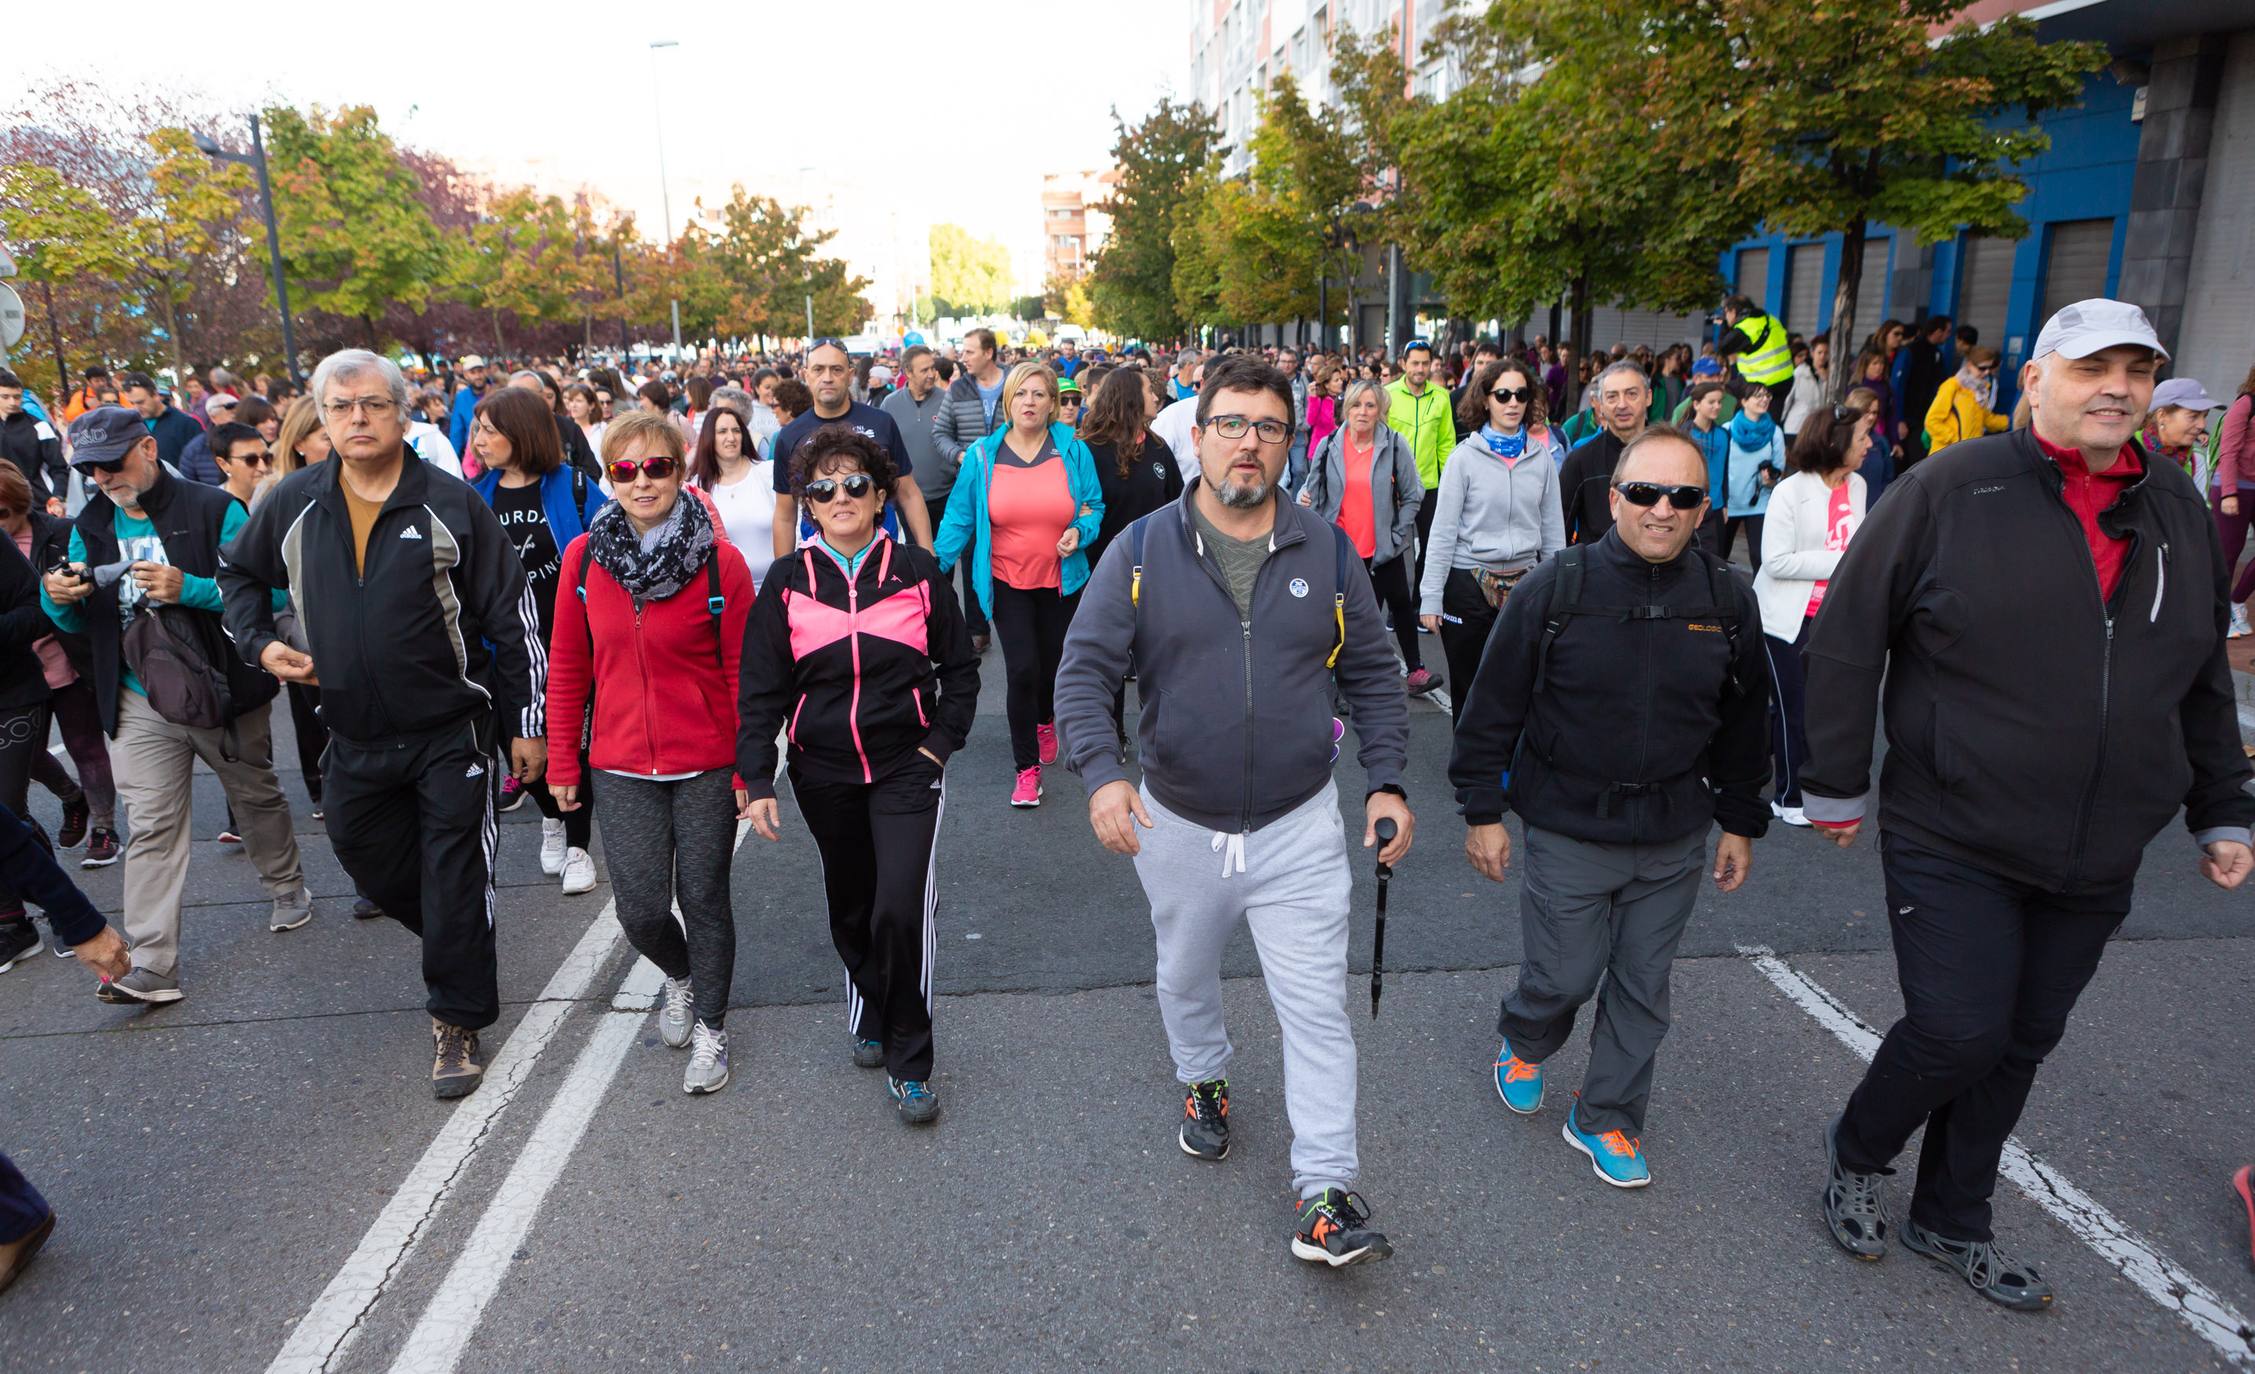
(1499, 513)
(1385, 515)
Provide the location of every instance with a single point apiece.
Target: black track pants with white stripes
(412, 821)
(876, 841)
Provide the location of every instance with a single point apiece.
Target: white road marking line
(440, 1335)
(2138, 1260)
(329, 1326)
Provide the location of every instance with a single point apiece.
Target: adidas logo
(475, 772)
(410, 533)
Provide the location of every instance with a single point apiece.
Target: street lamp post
(665, 188)
(255, 159)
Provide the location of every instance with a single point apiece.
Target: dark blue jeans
(21, 1206)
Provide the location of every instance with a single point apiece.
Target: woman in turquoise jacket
(1034, 503)
(1755, 465)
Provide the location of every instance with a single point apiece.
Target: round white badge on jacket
(1299, 586)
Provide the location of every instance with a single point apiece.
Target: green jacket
(1427, 423)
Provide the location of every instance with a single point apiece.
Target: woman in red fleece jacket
(650, 623)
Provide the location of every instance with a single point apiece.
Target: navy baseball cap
(105, 434)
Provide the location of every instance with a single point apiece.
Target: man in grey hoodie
(973, 410)
(1236, 606)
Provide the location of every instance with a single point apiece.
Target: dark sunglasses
(1649, 494)
(1508, 394)
(657, 465)
(116, 465)
(823, 489)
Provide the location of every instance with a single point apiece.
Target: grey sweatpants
(1613, 910)
(660, 835)
(1292, 890)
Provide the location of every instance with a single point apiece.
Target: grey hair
(1354, 392)
(359, 362)
(1631, 368)
(737, 402)
(1188, 355)
(524, 372)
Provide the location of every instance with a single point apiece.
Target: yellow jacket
(1958, 414)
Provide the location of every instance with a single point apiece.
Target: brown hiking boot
(455, 1070)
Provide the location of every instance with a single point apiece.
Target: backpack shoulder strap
(1723, 584)
(1565, 599)
(1342, 551)
(1135, 573)
(715, 603)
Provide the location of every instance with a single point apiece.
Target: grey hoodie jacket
(962, 422)
(1236, 723)
(1393, 503)
(1492, 516)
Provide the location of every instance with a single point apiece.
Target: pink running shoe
(1027, 792)
(1046, 736)
(1422, 681)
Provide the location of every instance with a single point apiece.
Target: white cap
(2087, 327)
(2185, 393)
(217, 402)
(473, 360)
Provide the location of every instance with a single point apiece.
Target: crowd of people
(487, 585)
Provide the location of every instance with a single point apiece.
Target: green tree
(970, 275)
(1132, 280)
(524, 257)
(356, 236)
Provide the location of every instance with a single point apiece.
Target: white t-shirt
(747, 512)
(432, 446)
(1173, 427)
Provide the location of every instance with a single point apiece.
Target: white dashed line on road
(2134, 1257)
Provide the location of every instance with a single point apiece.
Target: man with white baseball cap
(2046, 609)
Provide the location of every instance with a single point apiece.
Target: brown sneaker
(455, 1070)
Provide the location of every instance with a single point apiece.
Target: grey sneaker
(1853, 1207)
(291, 911)
(676, 1012)
(1985, 1269)
(708, 1061)
(141, 985)
(869, 1054)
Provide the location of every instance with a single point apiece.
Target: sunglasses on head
(1649, 494)
(822, 490)
(657, 465)
(1508, 394)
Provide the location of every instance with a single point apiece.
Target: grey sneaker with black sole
(1986, 1269)
(141, 985)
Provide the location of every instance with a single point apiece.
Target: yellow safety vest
(1769, 359)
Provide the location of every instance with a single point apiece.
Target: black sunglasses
(822, 490)
(115, 465)
(658, 465)
(1649, 494)
(1508, 394)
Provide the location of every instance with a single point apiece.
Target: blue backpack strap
(716, 603)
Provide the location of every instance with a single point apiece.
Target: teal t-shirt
(138, 541)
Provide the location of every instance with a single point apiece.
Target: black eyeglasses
(822, 490)
(1508, 394)
(114, 466)
(658, 465)
(1649, 494)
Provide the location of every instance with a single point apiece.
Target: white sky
(921, 113)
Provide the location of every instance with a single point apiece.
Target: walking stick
(1386, 832)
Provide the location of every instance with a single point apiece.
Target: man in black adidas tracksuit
(402, 579)
(1620, 709)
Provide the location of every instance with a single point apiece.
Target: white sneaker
(579, 872)
(708, 1061)
(1791, 815)
(551, 846)
(676, 1011)
(2240, 628)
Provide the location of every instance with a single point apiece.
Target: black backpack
(165, 652)
(1566, 601)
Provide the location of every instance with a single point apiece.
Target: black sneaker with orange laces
(1334, 1229)
(1205, 1120)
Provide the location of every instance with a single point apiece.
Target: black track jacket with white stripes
(402, 645)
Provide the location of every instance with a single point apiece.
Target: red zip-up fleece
(858, 676)
(663, 677)
(2089, 494)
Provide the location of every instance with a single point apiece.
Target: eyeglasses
(374, 407)
(1234, 427)
(1649, 494)
(1508, 394)
(822, 490)
(658, 465)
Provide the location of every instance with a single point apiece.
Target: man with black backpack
(141, 583)
(1620, 709)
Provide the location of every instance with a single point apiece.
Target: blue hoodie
(966, 523)
(556, 501)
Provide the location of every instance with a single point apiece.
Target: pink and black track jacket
(857, 675)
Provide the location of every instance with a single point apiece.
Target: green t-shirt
(138, 541)
(1239, 559)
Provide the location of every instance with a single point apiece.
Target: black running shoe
(365, 910)
(1853, 1206)
(1333, 1229)
(1205, 1120)
(18, 937)
(101, 849)
(869, 1054)
(919, 1105)
(75, 816)
(1985, 1269)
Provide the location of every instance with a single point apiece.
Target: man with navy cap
(2045, 608)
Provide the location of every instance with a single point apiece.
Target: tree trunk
(1842, 335)
(172, 328)
(498, 347)
(1578, 303)
(368, 328)
(55, 333)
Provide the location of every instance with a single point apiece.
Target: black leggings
(669, 839)
(1466, 621)
(579, 822)
(1031, 626)
(313, 736)
(81, 724)
(1752, 524)
(1789, 736)
(23, 736)
(876, 842)
(1390, 582)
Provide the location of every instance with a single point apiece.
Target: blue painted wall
(2086, 174)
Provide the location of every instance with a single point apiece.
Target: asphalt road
(257, 1176)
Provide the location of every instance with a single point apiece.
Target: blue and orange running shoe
(1614, 1156)
(1518, 1082)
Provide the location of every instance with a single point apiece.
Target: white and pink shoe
(1027, 792)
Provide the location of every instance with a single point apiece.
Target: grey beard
(1241, 497)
